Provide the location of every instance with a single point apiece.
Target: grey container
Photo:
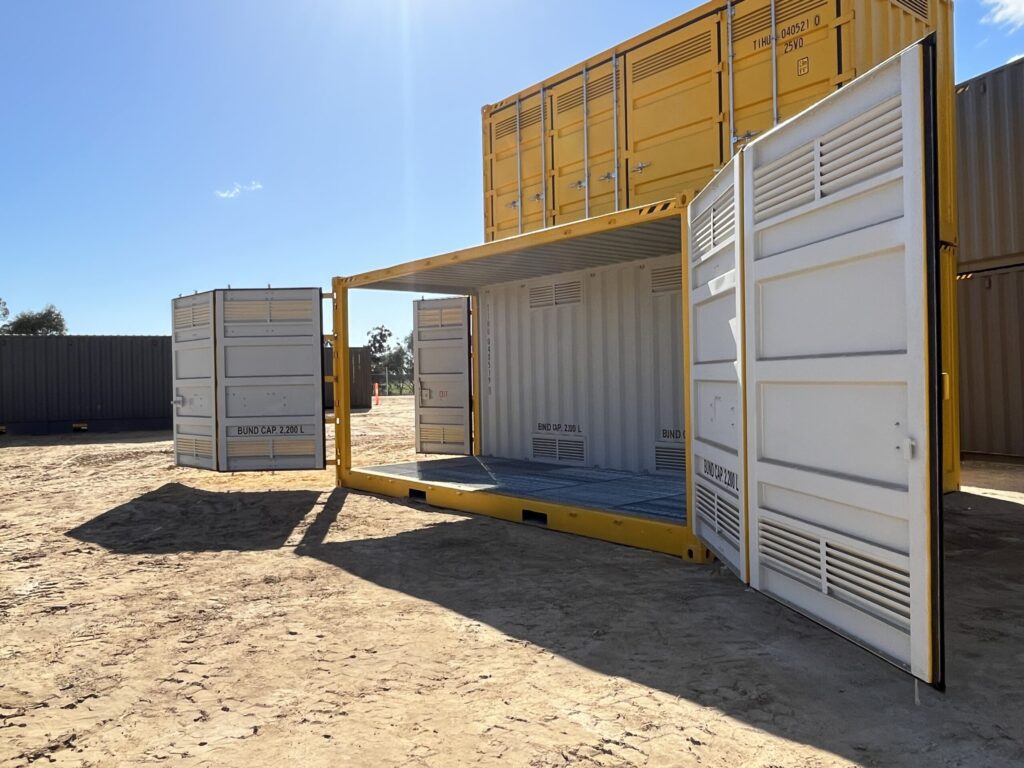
(990, 168)
(97, 383)
(991, 308)
(361, 386)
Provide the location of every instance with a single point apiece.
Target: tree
(4, 311)
(46, 322)
(378, 346)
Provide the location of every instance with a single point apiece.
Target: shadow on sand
(690, 631)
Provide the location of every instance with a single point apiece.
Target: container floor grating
(660, 496)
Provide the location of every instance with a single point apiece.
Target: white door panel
(270, 379)
(441, 352)
(838, 244)
(194, 400)
(716, 394)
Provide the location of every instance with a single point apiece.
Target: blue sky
(156, 148)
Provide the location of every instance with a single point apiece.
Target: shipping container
(95, 383)
(757, 371)
(991, 306)
(990, 154)
(660, 113)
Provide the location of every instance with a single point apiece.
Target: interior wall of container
(992, 359)
(585, 142)
(585, 368)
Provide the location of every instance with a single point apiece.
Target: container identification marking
(547, 426)
(718, 473)
(263, 430)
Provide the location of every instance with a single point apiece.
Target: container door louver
(842, 363)
(441, 350)
(716, 407)
(192, 343)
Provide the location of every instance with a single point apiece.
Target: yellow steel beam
(342, 384)
(654, 535)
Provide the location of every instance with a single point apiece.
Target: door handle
(639, 167)
(178, 401)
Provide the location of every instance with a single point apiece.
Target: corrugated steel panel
(660, 113)
(108, 383)
(361, 385)
(585, 368)
(990, 132)
(991, 310)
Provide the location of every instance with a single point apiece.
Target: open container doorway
(553, 380)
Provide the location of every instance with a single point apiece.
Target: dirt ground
(150, 614)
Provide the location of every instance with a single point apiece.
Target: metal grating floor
(659, 496)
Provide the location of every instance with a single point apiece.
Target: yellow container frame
(670, 538)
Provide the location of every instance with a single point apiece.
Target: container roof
(615, 238)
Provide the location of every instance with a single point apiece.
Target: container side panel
(990, 122)
(673, 107)
(585, 368)
(991, 310)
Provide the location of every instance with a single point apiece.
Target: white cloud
(236, 189)
(1009, 13)
(1015, 57)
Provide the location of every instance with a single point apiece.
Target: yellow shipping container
(660, 113)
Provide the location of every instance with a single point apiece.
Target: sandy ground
(150, 614)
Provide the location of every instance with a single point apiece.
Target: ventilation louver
(837, 568)
(556, 294)
(686, 50)
(864, 148)
(669, 458)
(664, 279)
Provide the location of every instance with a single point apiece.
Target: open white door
(716, 396)
(270, 406)
(192, 355)
(441, 352)
(842, 358)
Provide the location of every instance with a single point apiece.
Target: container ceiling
(467, 271)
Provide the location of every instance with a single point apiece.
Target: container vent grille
(596, 88)
(714, 226)
(571, 450)
(268, 311)
(864, 148)
(920, 7)
(669, 458)
(545, 448)
(785, 183)
(507, 125)
(440, 318)
(881, 589)
(199, 447)
(718, 513)
(194, 316)
(686, 50)
(448, 434)
(664, 279)
(867, 146)
(270, 448)
(556, 294)
(761, 19)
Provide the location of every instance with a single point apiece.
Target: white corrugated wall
(585, 368)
